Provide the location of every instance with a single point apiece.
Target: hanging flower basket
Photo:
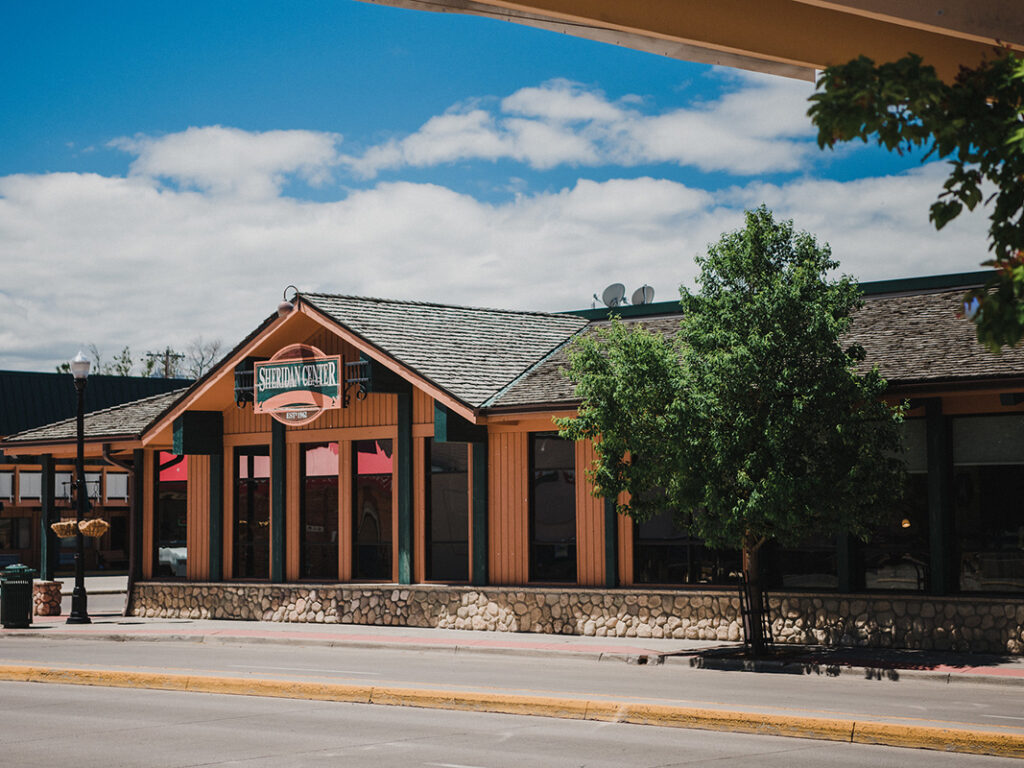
(65, 529)
(95, 528)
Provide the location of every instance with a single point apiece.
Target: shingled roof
(469, 352)
(913, 338)
(918, 338)
(128, 420)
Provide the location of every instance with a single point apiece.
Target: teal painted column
(611, 544)
(47, 538)
(403, 452)
(140, 486)
(216, 517)
(278, 479)
(940, 506)
(480, 540)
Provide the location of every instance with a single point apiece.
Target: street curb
(886, 734)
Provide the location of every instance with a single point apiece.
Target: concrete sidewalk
(711, 655)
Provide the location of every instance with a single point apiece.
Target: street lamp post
(79, 598)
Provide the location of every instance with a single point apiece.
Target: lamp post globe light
(79, 598)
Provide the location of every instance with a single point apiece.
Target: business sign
(298, 384)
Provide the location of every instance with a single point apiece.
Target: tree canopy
(976, 123)
(754, 418)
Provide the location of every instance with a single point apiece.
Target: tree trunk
(753, 621)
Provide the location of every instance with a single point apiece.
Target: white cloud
(758, 127)
(119, 261)
(229, 161)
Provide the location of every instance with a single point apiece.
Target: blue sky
(180, 165)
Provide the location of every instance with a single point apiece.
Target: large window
(448, 512)
(552, 508)
(318, 511)
(171, 516)
(252, 513)
(898, 552)
(988, 502)
(665, 553)
(15, 533)
(371, 510)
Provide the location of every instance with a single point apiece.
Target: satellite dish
(643, 295)
(614, 295)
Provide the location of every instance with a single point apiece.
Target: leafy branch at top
(976, 123)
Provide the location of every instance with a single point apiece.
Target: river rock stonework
(989, 625)
(46, 598)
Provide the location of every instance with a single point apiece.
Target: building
(412, 474)
(32, 399)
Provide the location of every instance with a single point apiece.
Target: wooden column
(140, 487)
(478, 471)
(940, 500)
(403, 454)
(278, 499)
(48, 543)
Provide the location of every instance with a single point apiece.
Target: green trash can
(16, 596)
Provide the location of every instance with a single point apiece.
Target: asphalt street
(906, 700)
(42, 726)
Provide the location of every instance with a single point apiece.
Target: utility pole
(169, 359)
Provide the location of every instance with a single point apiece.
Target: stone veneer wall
(977, 624)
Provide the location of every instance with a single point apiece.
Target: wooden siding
(198, 518)
(422, 407)
(508, 483)
(589, 522)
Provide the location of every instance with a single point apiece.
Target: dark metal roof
(31, 399)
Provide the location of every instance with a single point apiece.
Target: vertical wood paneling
(197, 530)
(240, 421)
(589, 521)
(151, 477)
(422, 407)
(293, 534)
(345, 510)
(419, 509)
(509, 488)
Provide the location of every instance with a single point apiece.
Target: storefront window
(318, 511)
(811, 565)
(552, 508)
(171, 516)
(448, 512)
(988, 502)
(252, 513)
(7, 486)
(372, 510)
(15, 533)
(898, 552)
(665, 553)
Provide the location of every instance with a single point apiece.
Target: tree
(200, 355)
(975, 123)
(753, 419)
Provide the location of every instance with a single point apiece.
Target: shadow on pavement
(875, 663)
